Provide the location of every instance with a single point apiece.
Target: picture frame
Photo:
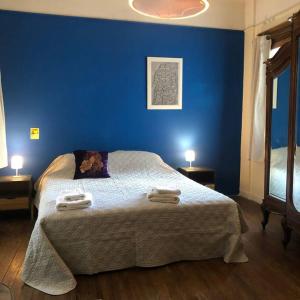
(164, 83)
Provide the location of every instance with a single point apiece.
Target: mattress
(123, 228)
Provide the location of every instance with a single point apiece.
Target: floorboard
(271, 273)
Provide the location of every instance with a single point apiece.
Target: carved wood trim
(279, 34)
(275, 205)
(279, 62)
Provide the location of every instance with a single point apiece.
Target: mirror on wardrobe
(296, 179)
(279, 134)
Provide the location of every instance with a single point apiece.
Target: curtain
(262, 52)
(3, 148)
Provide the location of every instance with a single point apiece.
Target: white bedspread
(123, 229)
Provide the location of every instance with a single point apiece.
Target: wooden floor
(271, 273)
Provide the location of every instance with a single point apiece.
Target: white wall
(259, 16)
(227, 14)
(266, 9)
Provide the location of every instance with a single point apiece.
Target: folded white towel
(62, 204)
(163, 198)
(166, 190)
(174, 200)
(73, 195)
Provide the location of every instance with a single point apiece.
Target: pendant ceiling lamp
(169, 9)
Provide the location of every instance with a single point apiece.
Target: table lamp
(190, 156)
(17, 163)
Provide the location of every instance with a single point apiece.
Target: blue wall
(83, 83)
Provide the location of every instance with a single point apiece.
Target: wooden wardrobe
(282, 146)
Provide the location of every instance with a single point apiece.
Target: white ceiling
(228, 14)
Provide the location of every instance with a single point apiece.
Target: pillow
(90, 164)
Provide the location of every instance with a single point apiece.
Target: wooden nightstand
(204, 176)
(16, 193)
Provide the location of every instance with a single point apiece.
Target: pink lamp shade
(169, 9)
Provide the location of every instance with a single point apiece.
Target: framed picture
(164, 83)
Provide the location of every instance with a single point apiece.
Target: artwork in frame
(164, 83)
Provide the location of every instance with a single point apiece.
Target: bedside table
(16, 193)
(204, 176)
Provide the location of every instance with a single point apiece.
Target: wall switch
(34, 133)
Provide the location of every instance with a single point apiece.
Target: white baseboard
(251, 196)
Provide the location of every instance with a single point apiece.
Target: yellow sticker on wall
(34, 133)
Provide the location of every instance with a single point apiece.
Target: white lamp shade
(17, 162)
(190, 155)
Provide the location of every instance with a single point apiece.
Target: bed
(123, 228)
(278, 174)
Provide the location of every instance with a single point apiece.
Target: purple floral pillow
(90, 164)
